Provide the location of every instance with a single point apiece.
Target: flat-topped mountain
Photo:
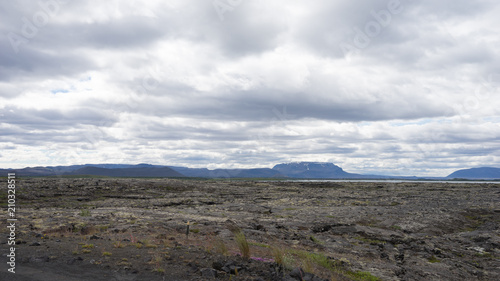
(313, 170)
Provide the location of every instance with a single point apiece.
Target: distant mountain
(298, 170)
(313, 170)
(476, 173)
(228, 173)
(134, 171)
(30, 172)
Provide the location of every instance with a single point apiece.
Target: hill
(313, 170)
(136, 171)
(476, 173)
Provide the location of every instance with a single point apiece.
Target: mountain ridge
(292, 170)
(476, 173)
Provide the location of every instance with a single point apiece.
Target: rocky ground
(135, 229)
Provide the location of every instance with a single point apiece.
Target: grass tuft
(242, 243)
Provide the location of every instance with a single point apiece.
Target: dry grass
(242, 243)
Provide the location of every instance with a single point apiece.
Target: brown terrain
(135, 229)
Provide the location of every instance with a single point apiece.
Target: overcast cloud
(408, 87)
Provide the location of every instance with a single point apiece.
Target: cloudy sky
(405, 87)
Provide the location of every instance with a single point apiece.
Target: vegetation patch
(242, 243)
(433, 259)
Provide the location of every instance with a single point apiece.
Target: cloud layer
(396, 87)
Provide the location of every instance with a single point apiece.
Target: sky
(399, 87)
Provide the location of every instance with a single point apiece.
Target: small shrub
(433, 259)
(316, 240)
(396, 227)
(118, 244)
(85, 213)
(149, 245)
(278, 255)
(159, 270)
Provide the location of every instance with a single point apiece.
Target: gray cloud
(178, 83)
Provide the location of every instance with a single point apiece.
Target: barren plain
(137, 229)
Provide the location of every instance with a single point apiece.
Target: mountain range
(296, 170)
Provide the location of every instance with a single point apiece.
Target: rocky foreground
(135, 229)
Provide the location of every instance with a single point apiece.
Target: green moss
(433, 259)
(316, 240)
(362, 276)
(369, 241)
(259, 244)
(85, 213)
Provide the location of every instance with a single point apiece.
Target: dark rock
(257, 226)
(232, 268)
(217, 265)
(40, 259)
(95, 237)
(208, 273)
(35, 244)
(297, 273)
(73, 260)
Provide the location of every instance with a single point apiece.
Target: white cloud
(172, 83)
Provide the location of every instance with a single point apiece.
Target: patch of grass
(86, 251)
(395, 203)
(195, 230)
(433, 259)
(159, 270)
(484, 255)
(149, 245)
(316, 240)
(362, 276)
(368, 221)
(259, 244)
(103, 228)
(360, 203)
(106, 254)
(88, 246)
(317, 258)
(242, 243)
(396, 227)
(220, 247)
(118, 244)
(277, 254)
(85, 213)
